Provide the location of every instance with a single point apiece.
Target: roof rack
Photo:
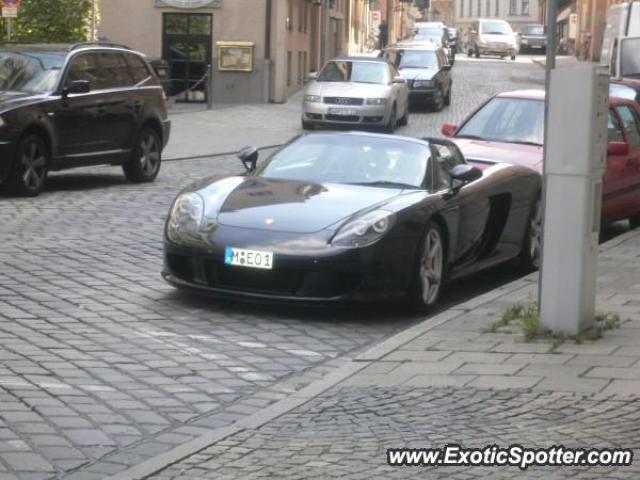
(97, 44)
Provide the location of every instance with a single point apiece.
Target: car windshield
(630, 58)
(432, 38)
(29, 72)
(358, 72)
(418, 59)
(533, 30)
(495, 28)
(364, 160)
(514, 120)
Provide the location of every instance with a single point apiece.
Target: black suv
(77, 105)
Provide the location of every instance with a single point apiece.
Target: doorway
(186, 47)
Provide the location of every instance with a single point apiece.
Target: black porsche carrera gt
(350, 216)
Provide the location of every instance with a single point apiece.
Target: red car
(509, 127)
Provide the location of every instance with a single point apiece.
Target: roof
(617, 92)
(57, 47)
(361, 58)
(364, 134)
(416, 45)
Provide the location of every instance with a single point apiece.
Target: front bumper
(322, 113)
(533, 44)
(344, 275)
(496, 50)
(423, 95)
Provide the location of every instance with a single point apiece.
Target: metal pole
(550, 64)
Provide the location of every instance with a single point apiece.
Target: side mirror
(618, 148)
(465, 173)
(399, 79)
(448, 129)
(311, 76)
(77, 87)
(249, 158)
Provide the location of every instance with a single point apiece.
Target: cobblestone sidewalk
(446, 381)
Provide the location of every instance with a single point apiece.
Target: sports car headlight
(186, 218)
(376, 101)
(364, 230)
(422, 83)
(313, 98)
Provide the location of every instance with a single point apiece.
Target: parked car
(438, 35)
(454, 39)
(356, 91)
(533, 38)
(509, 128)
(621, 40)
(335, 217)
(427, 71)
(65, 106)
(492, 37)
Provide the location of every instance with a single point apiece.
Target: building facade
(517, 12)
(253, 50)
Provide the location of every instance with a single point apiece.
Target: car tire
(447, 99)
(634, 222)
(513, 57)
(307, 125)
(429, 269)
(469, 53)
(393, 120)
(30, 166)
(404, 121)
(530, 255)
(477, 52)
(146, 157)
(438, 105)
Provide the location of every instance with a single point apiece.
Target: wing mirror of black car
(463, 174)
(249, 158)
(76, 87)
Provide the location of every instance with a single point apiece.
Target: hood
(526, 155)
(498, 38)
(291, 206)
(418, 73)
(11, 99)
(347, 89)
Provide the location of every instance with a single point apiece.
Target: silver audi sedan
(356, 91)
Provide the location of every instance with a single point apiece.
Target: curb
(348, 369)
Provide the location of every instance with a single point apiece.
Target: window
(614, 130)
(488, 8)
(525, 7)
(84, 67)
(289, 60)
(461, 8)
(304, 66)
(300, 74)
(138, 68)
(631, 124)
(116, 71)
(498, 8)
(470, 8)
(446, 157)
(513, 7)
(479, 7)
(289, 22)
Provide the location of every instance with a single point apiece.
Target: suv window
(138, 68)
(84, 67)
(446, 157)
(631, 124)
(116, 71)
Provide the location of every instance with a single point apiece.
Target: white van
(621, 41)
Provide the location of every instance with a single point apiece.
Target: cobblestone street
(103, 365)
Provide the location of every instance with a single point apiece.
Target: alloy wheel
(431, 263)
(149, 154)
(34, 166)
(535, 235)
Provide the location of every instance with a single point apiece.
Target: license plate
(248, 258)
(343, 111)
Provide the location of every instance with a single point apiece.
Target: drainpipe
(267, 51)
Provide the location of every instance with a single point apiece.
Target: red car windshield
(513, 120)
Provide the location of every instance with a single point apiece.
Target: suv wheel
(477, 52)
(144, 164)
(393, 120)
(30, 166)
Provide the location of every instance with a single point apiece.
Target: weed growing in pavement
(529, 319)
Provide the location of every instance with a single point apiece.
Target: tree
(49, 21)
